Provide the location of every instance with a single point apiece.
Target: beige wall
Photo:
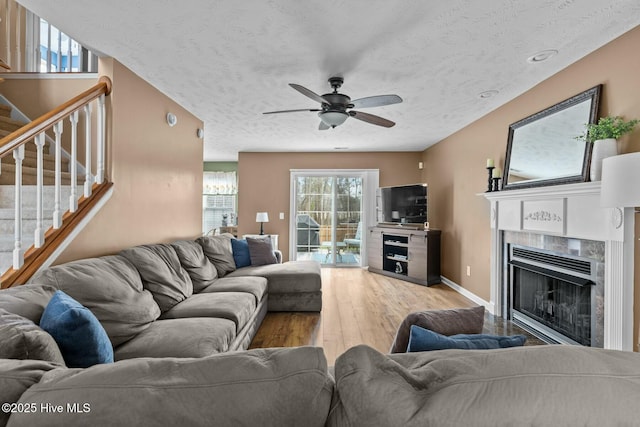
(263, 182)
(455, 167)
(156, 171)
(35, 96)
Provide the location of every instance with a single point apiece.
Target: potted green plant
(604, 136)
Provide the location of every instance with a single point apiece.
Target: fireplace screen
(554, 300)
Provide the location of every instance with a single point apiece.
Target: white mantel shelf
(572, 211)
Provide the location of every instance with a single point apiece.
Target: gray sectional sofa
(180, 333)
(184, 299)
(521, 386)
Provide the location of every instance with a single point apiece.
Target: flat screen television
(405, 204)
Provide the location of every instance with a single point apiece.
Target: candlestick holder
(490, 184)
(496, 184)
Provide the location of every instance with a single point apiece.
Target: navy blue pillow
(81, 338)
(421, 339)
(241, 255)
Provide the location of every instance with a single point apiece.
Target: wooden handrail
(30, 130)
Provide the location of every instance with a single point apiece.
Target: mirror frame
(592, 94)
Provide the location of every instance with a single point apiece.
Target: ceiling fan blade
(291, 111)
(370, 118)
(376, 101)
(323, 126)
(311, 94)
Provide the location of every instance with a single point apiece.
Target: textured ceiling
(229, 61)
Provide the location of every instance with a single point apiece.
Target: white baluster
(59, 54)
(69, 56)
(57, 211)
(39, 233)
(7, 9)
(18, 21)
(88, 177)
(18, 253)
(101, 145)
(73, 198)
(49, 48)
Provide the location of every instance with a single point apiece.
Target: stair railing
(15, 142)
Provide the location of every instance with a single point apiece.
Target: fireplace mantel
(571, 211)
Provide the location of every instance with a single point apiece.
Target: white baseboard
(468, 294)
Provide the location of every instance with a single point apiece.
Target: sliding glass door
(329, 215)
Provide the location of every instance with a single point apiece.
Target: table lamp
(262, 217)
(620, 186)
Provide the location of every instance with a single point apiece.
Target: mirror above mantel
(542, 149)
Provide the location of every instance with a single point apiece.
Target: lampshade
(333, 118)
(620, 181)
(262, 217)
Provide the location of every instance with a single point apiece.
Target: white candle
(497, 173)
(490, 163)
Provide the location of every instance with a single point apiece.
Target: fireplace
(569, 220)
(553, 295)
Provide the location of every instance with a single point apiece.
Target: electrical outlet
(468, 270)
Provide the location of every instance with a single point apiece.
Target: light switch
(281, 215)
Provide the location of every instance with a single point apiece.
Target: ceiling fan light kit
(333, 118)
(336, 107)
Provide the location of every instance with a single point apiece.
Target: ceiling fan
(337, 107)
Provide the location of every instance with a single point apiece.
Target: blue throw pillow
(240, 249)
(81, 338)
(421, 339)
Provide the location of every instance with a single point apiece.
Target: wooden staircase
(29, 164)
(29, 180)
(39, 221)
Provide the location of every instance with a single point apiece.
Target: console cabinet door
(374, 249)
(417, 265)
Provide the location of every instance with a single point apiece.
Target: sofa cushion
(111, 288)
(264, 387)
(16, 376)
(292, 276)
(446, 322)
(218, 250)
(240, 249)
(79, 335)
(464, 388)
(422, 339)
(261, 251)
(191, 337)
(235, 306)
(27, 300)
(200, 269)
(20, 338)
(161, 273)
(257, 286)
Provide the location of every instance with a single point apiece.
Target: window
(219, 200)
(55, 51)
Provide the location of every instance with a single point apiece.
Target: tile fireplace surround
(570, 211)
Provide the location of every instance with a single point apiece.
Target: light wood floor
(358, 307)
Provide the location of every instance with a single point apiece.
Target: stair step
(7, 226)
(29, 196)
(31, 160)
(5, 110)
(6, 259)
(7, 243)
(9, 124)
(29, 176)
